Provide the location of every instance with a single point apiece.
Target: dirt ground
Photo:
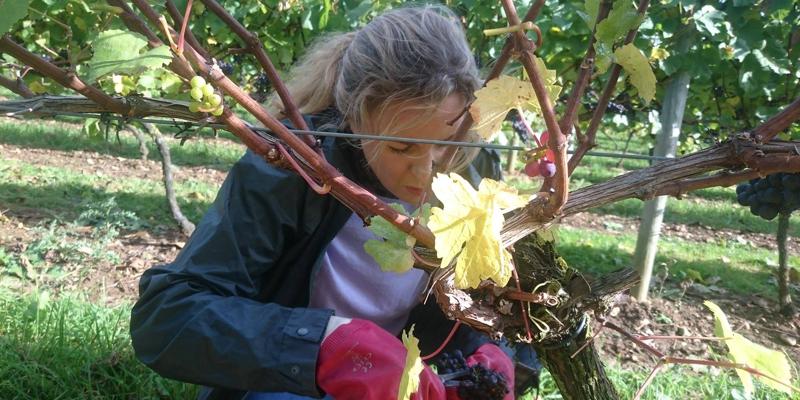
(679, 311)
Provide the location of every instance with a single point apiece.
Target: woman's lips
(414, 190)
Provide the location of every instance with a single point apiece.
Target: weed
(62, 250)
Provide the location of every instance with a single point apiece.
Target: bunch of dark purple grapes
(261, 87)
(473, 383)
(772, 195)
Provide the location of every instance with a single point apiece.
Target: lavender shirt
(350, 282)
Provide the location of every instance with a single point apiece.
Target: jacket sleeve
(199, 320)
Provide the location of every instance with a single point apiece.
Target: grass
(67, 348)
(219, 154)
(743, 268)
(62, 191)
(676, 383)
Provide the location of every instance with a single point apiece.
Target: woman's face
(405, 168)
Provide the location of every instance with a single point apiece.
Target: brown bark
(64, 78)
(582, 377)
(17, 86)
(187, 227)
(557, 141)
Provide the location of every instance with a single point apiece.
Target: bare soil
(679, 311)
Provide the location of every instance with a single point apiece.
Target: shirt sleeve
(199, 320)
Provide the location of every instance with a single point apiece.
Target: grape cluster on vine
(261, 87)
(772, 195)
(472, 382)
(205, 98)
(225, 67)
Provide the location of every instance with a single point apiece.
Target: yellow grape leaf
(469, 227)
(658, 53)
(500, 95)
(638, 68)
(409, 381)
(743, 351)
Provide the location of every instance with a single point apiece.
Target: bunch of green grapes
(205, 99)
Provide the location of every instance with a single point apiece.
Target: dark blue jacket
(231, 311)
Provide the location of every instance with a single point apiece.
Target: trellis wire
(263, 131)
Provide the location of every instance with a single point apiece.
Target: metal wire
(262, 131)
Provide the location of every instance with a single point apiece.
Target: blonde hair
(414, 56)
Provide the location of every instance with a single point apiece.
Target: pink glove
(359, 360)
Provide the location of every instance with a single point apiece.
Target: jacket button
(295, 370)
(302, 331)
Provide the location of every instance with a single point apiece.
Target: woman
(273, 296)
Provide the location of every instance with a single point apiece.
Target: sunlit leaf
(622, 18)
(639, 71)
(409, 380)
(468, 227)
(120, 52)
(493, 102)
(743, 351)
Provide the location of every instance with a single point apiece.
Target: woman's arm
(198, 319)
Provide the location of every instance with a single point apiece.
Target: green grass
(673, 383)
(61, 192)
(67, 348)
(219, 154)
(745, 271)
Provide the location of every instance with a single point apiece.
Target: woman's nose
(423, 166)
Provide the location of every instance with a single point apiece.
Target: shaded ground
(677, 311)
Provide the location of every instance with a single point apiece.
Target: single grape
(791, 181)
(775, 180)
(196, 93)
(768, 211)
(772, 196)
(532, 169)
(743, 199)
(208, 90)
(742, 188)
(194, 107)
(547, 168)
(218, 111)
(215, 100)
(198, 82)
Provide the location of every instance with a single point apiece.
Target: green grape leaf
(708, 20)
(12, 11)
(409, 380)
(638, 68)
(120, 52)
(393, 251)
(592, 7)
(622, 18)
(743, 351)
